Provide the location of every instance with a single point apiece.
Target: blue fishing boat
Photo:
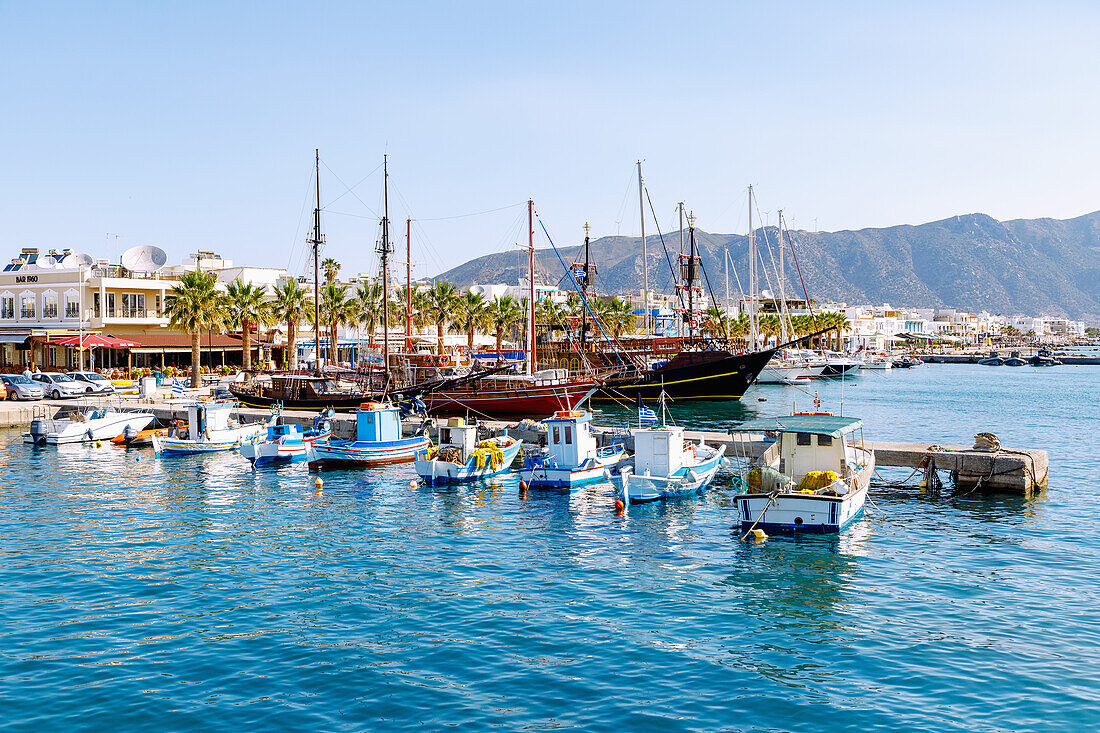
(572, 457)
(288, 442)
(377, 441)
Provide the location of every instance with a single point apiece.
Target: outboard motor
(39, 430)
(130, 434)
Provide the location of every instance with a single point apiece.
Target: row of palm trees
(197, 305)
(769, 325)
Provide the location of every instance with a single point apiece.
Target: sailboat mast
(784, 315)
(584, 291)
(531, 286)
(385, 267)
(408, 286)
(752, 277)
(316, 261)
(680, 208)
(645, 258)
(691, 274)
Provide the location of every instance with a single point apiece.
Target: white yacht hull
(110, 426)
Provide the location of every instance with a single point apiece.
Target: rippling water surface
(192, 594)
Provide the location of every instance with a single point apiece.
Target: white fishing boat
(288, 442)
(89, 424)
(210, 428)
(783, 373)
(572, 457)
(875, 362)
(666, 466)
(814, 478)
(378, 441)
(459, 456)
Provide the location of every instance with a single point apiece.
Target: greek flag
(177, 386)
(780, 425)
(646, 415)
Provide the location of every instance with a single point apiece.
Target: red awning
(96, 341)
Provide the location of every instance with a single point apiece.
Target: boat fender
(758, 535)
(89, 434)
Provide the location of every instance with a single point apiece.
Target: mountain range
(971, 262)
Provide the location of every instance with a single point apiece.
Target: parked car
(18, 387)
(93, 382)
(58, 385)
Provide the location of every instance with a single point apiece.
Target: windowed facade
(133, 305)
(72, 304)
(26, 306)
(7, 305)
(49, 304)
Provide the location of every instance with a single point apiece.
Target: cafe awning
(95, 341)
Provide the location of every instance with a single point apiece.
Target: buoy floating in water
(522, 485)
(412, 484)
(758, 534)
(761, 399)
(619, 506)
(318, 483)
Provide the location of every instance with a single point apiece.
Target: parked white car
(93, 382)
(58, 385)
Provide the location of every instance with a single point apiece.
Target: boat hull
(342, 403)
(106, 428)
(356, 454)
(703, 375)
(800, 513)
(688, 481)
(551, 477)
(442, 472)
(534, 402)
(272, 451)
(223, 441)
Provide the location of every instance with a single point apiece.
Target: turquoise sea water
(197, 594)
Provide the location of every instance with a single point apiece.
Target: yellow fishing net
(815, 480)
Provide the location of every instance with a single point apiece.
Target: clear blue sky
(193, 124)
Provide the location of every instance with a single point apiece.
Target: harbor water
(197, 593)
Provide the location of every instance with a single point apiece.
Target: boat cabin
(806, 443)
(658, 451)
(457, 434)
(570, 441)
(208, 417)
(377, 423)
(274, 432)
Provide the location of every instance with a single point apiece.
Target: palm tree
(769, 325)
(195, 305)
(838, 323)
(470, 316)
(337, 309)
(439, 306)
(369, 304)
(503, 313)
(616, 315)
(290, 305)
(247, 308)
(330, 267)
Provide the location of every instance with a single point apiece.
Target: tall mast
(784, 315)
(408, 286)
(584, 290)
(680, 208)
(726, 265)
(752, 277)
(691, 273)
(531, 286)
(316, 242)
(645, 259)
(385, 268)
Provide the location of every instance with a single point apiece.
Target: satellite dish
(77, 260)
(144, 258)
(46, 263)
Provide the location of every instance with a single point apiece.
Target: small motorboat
(572, 457)
(209, 429)
(992, 361)
(1015, 361)
(132, 438)
(459, 456)
(85, 425)
(1043, 361)
(378, 441)
(906, 362)
(288, 442)
(665, 466)
(877, 362)
(814, 478)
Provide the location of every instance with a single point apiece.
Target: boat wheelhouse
(666, 466)
(459, 456)
(210, 428)
(378, 441)
(572, 456)
(813, 478)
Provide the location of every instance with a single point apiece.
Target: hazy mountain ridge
(972, 261)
